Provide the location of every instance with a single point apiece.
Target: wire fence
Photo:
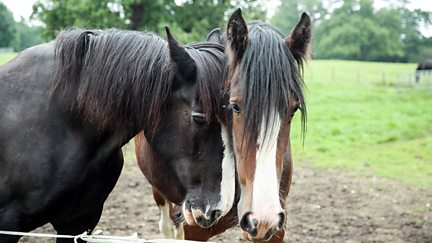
(401, 80)
(419, 80)
(95, 238)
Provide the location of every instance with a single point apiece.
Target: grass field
(364, 117)
(6, 56)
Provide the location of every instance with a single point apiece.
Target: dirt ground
(324, 205)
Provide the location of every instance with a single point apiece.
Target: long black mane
(269, 75)
(117, 78)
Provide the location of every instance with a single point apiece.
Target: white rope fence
(96, 238)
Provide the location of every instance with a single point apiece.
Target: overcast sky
(23, 8)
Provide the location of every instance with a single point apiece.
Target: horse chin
(188, 217)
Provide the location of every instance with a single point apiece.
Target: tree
(356, 30)
(344, 39)
(288, 13)
(146, 14)
(190, 21)
(25, 36)
(7, 26)
(60, 14)
(411, 36)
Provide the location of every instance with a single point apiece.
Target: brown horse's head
(265, 90)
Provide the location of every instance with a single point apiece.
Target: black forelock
(210, 60)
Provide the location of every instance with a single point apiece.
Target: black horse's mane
(117, 78)
(269, 76)
(210, 60)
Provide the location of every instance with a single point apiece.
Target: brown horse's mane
(269, 75)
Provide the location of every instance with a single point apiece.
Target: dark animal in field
(67, 108)
(422, 66)
(192, 170)
(265, 90)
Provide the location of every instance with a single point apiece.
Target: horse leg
(76, 226)
(92, 201)
(167, 225)
(9, 238)
(12, 220)
(417, 77)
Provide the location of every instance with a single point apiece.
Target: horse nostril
(215, 215)
(248, 225)
(253, 232)
(281, 220)
(200, 220)
(244, 221)
(255, 222)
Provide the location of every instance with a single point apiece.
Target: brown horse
(264, 86)
(198, 172)
(265, 90)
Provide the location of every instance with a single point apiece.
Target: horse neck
(152, 165)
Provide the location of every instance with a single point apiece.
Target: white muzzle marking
(265, 199)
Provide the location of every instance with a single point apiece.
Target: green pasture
(6, 56)
(368, 117)
(364, 117)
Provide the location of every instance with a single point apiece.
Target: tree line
(17, 35)
(343, 29)
(190, 20)
(355, 30)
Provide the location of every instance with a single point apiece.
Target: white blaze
(265, 197)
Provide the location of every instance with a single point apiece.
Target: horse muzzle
(200, 217)
(261, 229)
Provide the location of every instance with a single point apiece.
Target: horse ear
(214, 36)
(186, 66)
(299, 40)
(237, 34)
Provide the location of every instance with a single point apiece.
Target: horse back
(52, 165)
(425, 65)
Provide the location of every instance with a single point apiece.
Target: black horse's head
(185, 158)
(122, 82)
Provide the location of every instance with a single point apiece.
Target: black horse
(423, 65)
(198, 193)
(67, 108)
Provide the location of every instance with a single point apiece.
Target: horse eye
(295, 110)
(235, 108)
(199, 118)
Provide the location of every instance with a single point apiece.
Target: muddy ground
(324, 205)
